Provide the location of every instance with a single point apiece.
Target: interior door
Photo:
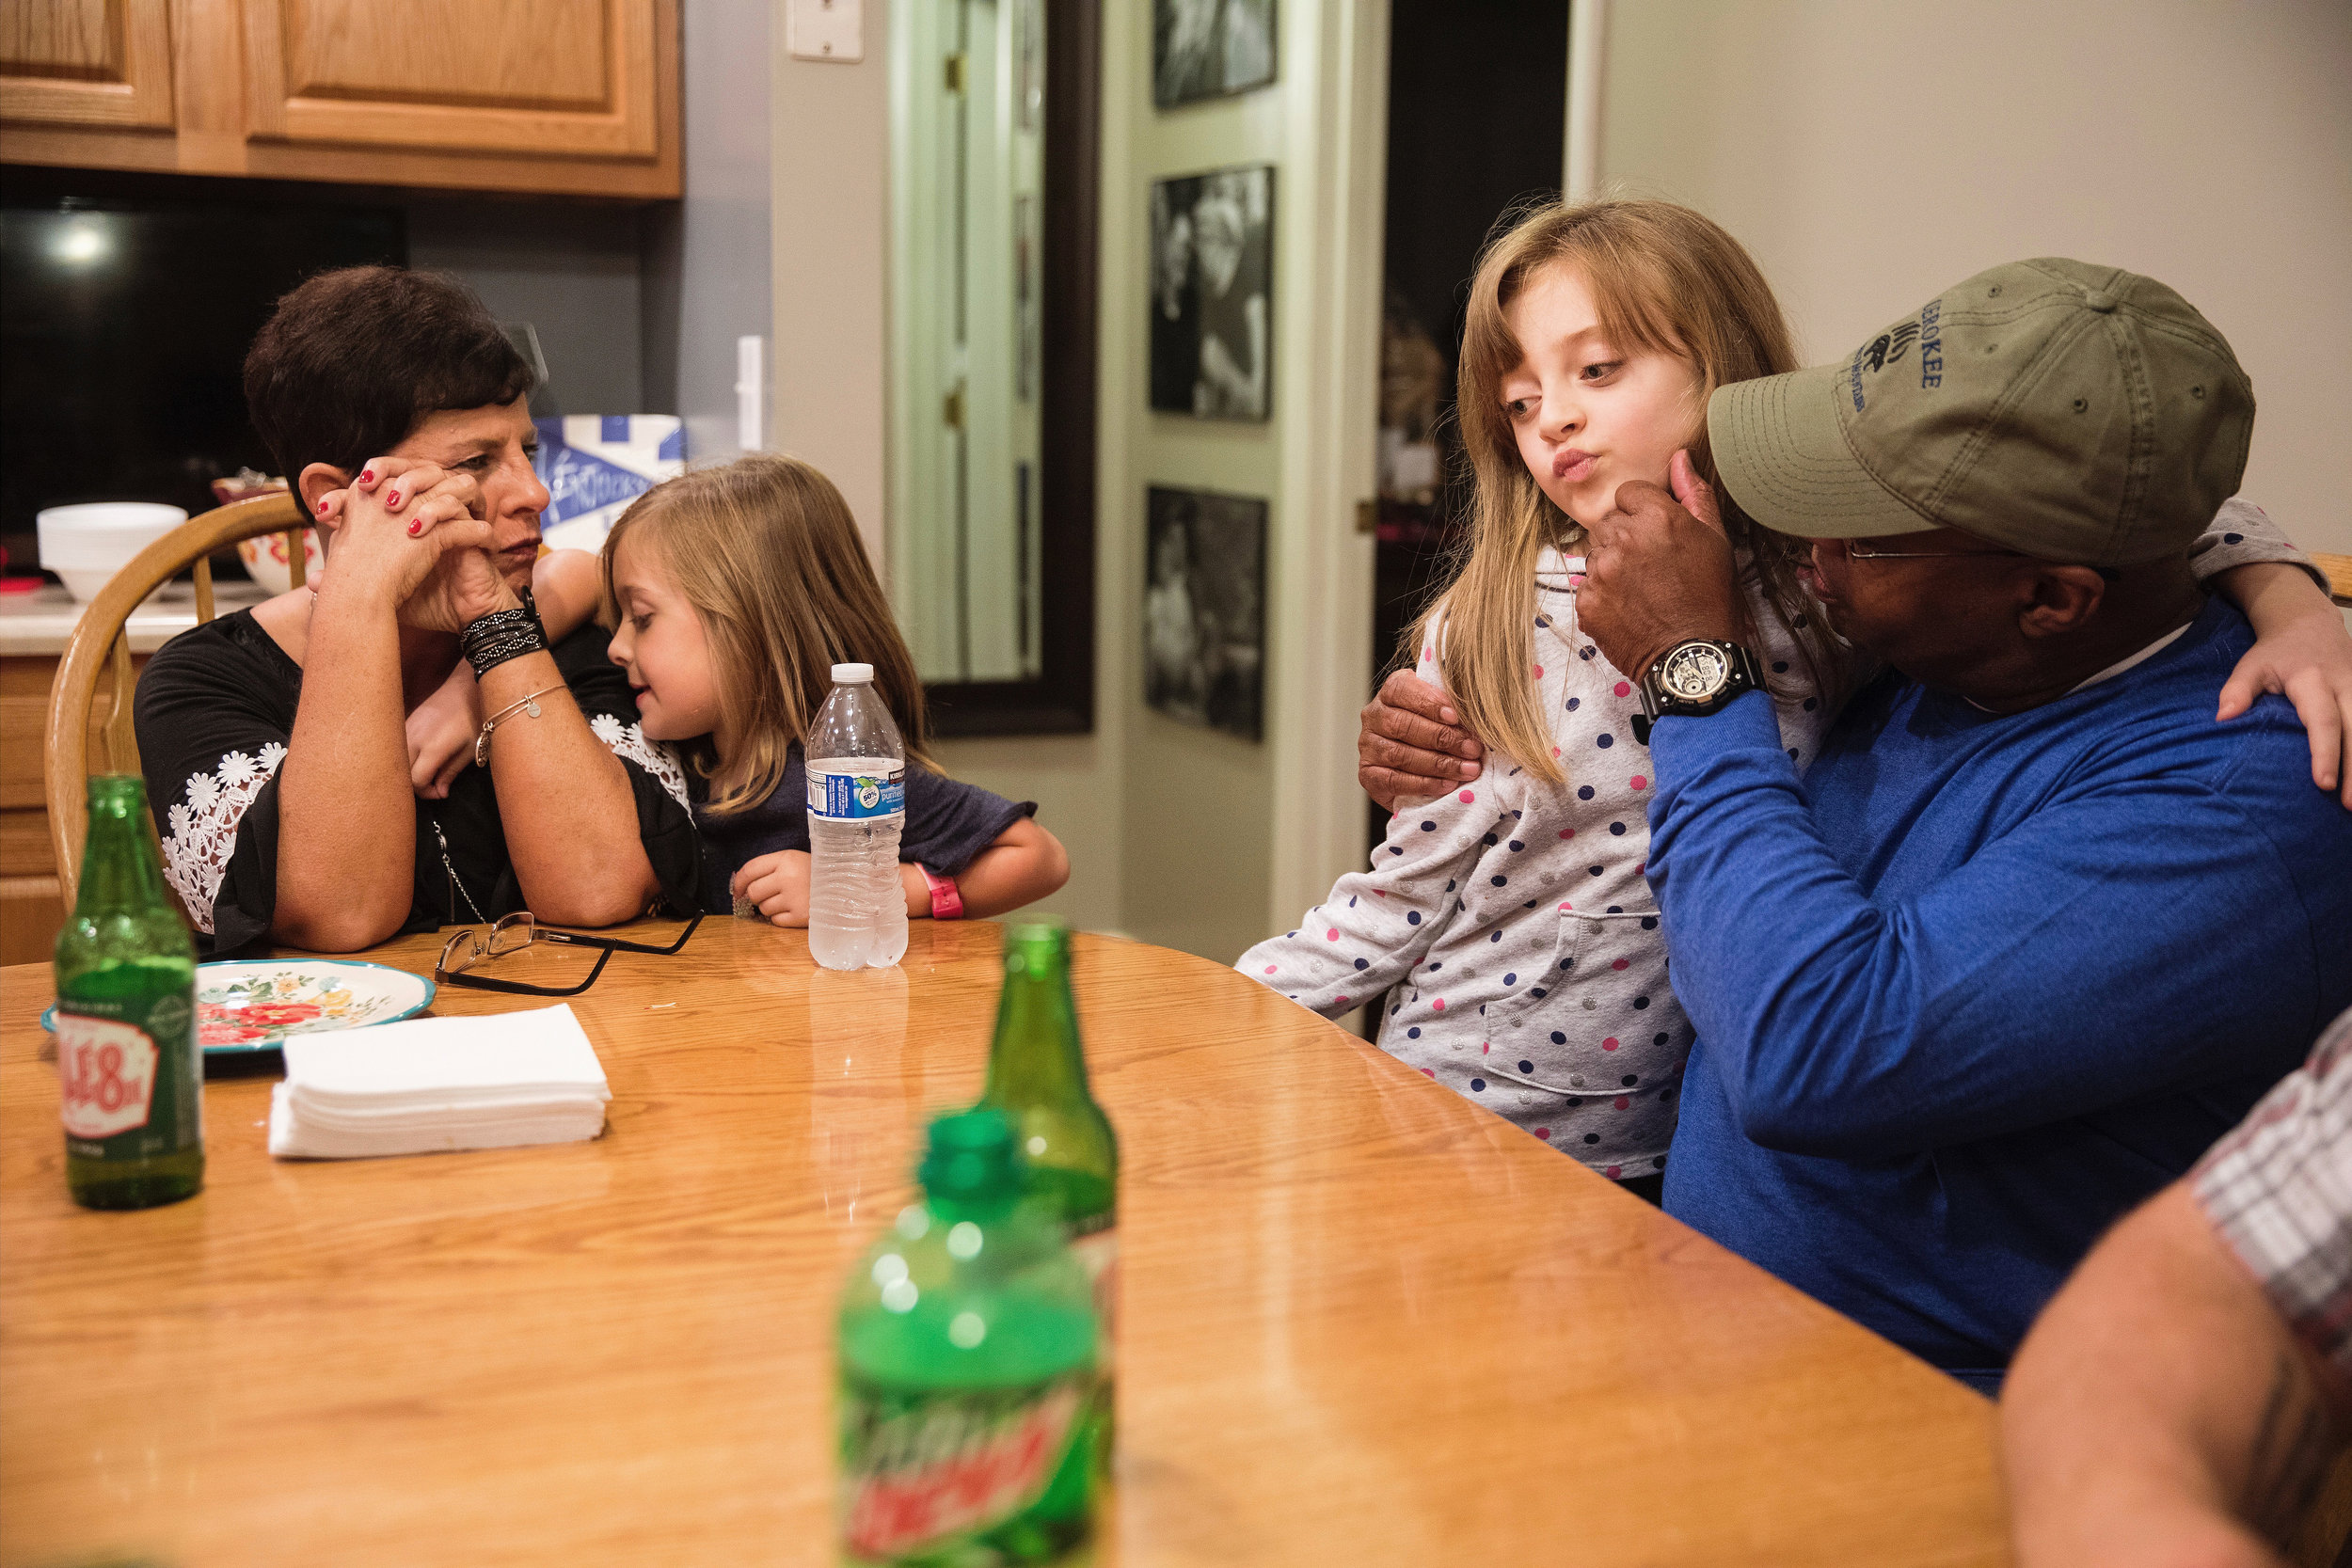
(968, 170)
(85, 62)
(523, 76)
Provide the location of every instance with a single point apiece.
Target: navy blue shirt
(1979, 983)
(947, 824)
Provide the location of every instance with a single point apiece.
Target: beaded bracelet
(502, 635)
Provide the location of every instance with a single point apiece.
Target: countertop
(38, 624)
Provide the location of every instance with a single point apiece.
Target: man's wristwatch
(1695, 678)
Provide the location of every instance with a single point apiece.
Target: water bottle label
(921, 1471)
(857, 797)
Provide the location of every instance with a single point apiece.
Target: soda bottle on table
(857, 804)
(967, 1372)
(128, 1062)
(1036, 1075)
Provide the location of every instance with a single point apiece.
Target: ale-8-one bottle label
(122, 1098)
(920, 1472)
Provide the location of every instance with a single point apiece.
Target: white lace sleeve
(630, 745)
(204, 826)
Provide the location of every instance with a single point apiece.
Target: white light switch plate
(825, 29)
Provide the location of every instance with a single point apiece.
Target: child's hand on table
(777, 885)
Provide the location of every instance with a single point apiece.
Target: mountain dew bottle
(967, 1339)
(1036, 1075)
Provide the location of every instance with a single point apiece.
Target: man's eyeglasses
(1857, 550)
(470, 948)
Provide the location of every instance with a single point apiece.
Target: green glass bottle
(967, 1345)
(128, 1062)
(1036, 1075)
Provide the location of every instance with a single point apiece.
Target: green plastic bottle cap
(971, 1157)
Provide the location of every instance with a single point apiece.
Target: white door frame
(1329, 278)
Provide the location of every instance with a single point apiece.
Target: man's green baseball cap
(2073, 412)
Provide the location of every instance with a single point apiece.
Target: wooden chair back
(100, 644)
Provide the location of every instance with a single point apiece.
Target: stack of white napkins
(435, 1083)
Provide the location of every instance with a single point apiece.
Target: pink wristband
(946, 900)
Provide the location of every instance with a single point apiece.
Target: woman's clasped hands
(407, 530)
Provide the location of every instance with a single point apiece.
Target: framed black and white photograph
(1203, 49)
(1205, 609)
(1213, 294)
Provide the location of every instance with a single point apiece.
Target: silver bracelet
(529, 704)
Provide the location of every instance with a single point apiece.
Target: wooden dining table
(1364, 1322)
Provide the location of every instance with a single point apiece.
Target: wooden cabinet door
(561, 77)
(85, 62)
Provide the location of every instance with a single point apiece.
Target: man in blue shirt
(2035, 929)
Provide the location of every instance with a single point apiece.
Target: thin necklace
(456, 886)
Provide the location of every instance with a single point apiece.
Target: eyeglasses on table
(473, 947)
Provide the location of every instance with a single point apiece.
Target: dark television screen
(125, 328)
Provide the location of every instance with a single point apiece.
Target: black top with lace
(215, 710)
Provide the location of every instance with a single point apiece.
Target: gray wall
(575, 271)
(1867, 158)
(638, 304)
(707, 257)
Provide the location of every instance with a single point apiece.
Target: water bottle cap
(850, 675)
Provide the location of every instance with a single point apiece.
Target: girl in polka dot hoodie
(1505, 928)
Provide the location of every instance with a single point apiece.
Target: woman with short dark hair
(273, 740)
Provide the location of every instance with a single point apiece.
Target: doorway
(1477, 111)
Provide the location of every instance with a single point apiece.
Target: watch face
(1694, 673)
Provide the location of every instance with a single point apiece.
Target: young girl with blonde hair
(1506, 926)
(736, 589)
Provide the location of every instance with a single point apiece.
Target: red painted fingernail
(321, 506)
(392, 500)
(416, 528)
(367, 476)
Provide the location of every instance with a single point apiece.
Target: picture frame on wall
(1209, 49)
(1205, 609)
(1211, 293)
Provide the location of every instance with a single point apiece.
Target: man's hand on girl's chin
(1411, 743)
(1659, 571)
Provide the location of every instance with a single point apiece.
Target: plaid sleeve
(2278, 1188)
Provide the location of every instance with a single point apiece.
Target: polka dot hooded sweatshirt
(1506, 930)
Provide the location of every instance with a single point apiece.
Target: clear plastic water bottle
(857, 804)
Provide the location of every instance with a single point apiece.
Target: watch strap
(946, 898)
(1744, 675)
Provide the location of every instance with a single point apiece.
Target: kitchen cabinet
(32, 905)
(573, 97)
(85, 62)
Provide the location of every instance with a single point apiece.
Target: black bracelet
(502, 635)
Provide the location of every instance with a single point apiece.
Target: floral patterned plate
(253, 1005)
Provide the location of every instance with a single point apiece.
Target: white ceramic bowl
(86, 544)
